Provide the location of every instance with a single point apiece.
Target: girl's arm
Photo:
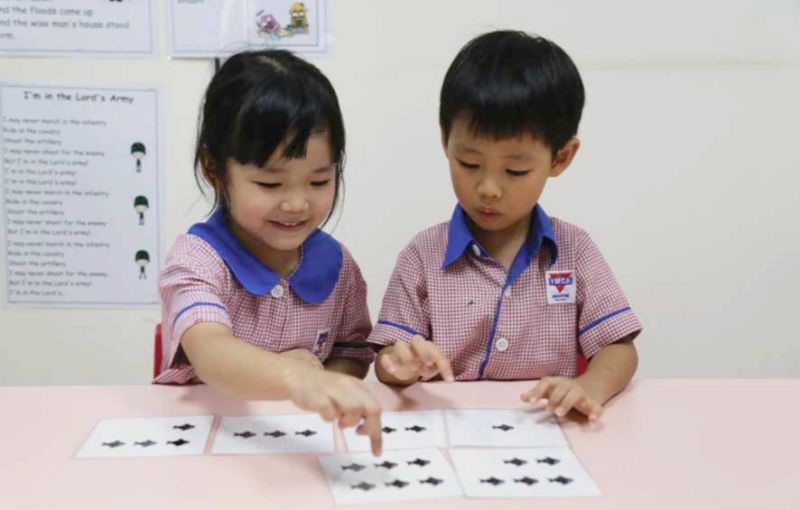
(246, 371)
(237, 367)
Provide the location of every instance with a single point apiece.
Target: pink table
(669, 444)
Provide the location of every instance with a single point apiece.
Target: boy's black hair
(508, 83)
(255, 101)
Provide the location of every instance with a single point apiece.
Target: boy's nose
(488, 189)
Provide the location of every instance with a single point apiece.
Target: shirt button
(507, 292)
(501, 345)
(476, 250)
(277, 291)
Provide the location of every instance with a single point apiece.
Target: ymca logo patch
(560, 286)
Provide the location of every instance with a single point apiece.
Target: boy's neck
(503, 245)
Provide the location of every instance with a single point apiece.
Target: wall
(686, 178)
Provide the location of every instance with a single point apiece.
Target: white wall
(686, 178)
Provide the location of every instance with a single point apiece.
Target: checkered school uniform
(558, 300)
(210, 277)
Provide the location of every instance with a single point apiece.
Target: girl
(258, 301)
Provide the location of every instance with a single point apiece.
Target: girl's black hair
(255, 101)
(508, 83)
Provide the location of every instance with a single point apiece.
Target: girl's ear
(209, 167)
(564, 156)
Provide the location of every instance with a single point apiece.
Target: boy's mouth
(487, 213)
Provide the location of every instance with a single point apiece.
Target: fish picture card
(503, 428)
(147, 437)
(398, 475)
(293, 433)
(522, 473)
(403, 430)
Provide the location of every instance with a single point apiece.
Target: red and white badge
(321, 341)
(560, 286)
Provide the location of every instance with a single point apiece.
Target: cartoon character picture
(138, 151)
(268, 27)
(142, 260)
(140, 205)
(299, 16)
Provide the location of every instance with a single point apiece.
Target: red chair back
(582, 364)
(157, 352)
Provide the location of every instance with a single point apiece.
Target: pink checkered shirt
(210, 277)
(558, 300)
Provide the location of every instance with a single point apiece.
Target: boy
(502, 291)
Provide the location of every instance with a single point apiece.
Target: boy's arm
(411, 376)
(610, 370)
(406, 363)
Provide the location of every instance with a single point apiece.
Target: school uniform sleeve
(405, 311)
(356, 325)
(604, 315)
(191, 285)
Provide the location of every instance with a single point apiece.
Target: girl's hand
(338, 397)
(304, 356)
(562, 394)
(418, 358)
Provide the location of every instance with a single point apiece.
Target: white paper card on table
(147, 437)
(289, 433)
(397, 475)
(499, 428)
(404, 430)
(522, 473)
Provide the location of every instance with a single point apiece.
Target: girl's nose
(294, 203)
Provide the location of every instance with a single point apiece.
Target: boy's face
(498, 182)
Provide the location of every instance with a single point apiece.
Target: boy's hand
(563, 394)
(338, 397)
(304, 356)
(418, 358)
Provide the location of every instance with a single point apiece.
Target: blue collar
(313, 280)
(460, 238)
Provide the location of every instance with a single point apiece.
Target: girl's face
(274, 208)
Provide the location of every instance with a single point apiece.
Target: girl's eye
(320, 184)
(269, 185)
(470, 166)
(517, 173)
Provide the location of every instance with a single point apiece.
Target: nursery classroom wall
(687, 177)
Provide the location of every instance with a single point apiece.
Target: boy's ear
(564, 156)
(444, 140)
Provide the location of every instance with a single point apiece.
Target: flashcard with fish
(500, 428)
(290, 433)
(397, 475)
(404, 430)
(522, 473)
(147, 437)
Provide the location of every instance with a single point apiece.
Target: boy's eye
(269, 185)
(320, 184)
(517, 173)
(470, 166)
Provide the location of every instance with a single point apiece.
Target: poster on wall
(81, 188)
(78, 28)
(214, 28)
